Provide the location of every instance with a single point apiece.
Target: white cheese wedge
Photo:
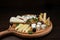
(23, 16)
(18, 16)
(39, 23)
(15, 20)
(33, 16)
(27, 17)
(43, 26)
(38, 27)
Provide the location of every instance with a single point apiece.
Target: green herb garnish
(35, 19)
(30, 32)
(17, 24)
(28, 21)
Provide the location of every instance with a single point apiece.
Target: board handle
(4, 32)
(9, 30)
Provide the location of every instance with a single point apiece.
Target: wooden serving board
(26, 35)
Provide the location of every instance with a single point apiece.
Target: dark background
(10, 8)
